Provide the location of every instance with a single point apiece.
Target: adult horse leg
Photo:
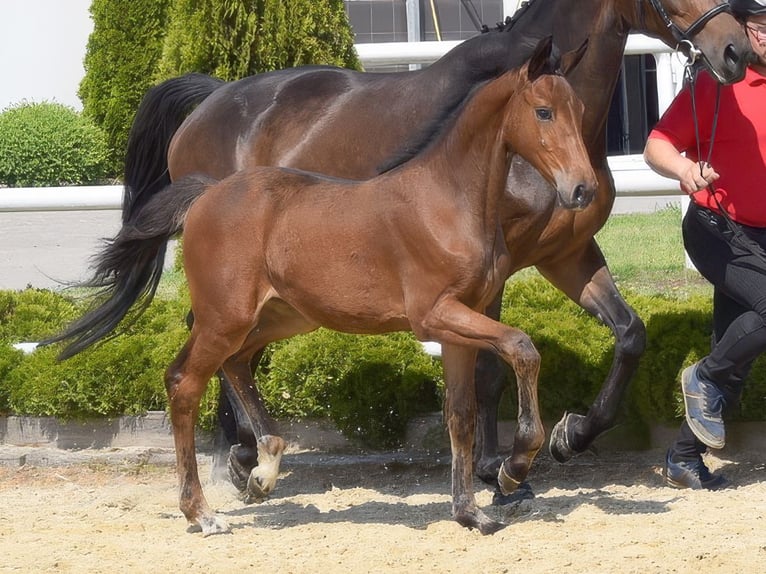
(585, 278)
(491, 375)
(491, 381)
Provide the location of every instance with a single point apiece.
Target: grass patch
(645, 254)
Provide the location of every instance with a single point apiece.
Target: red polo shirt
(739, 148)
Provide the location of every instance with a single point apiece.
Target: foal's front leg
(460, 411)
(452, 323)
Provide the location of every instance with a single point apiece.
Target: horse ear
(540, 62)
(570, 60)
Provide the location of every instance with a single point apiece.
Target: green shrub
(677, 335)
(29, 314)
(370, 386)
(120, 60)
(245, 38)
(50, 144)
(9, 360)
(120, 376)
(577, 353)
(574, 347)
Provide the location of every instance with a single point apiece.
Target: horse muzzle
(579, 196)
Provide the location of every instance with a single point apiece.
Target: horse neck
(493, 53)
(471, 157)
(606, 24)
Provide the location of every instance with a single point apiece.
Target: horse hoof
(239, 473)
(213, 525)
(558, 445)
(480, 521)
(523, 492)
(491, 527)
(486, 470)
(263, 478)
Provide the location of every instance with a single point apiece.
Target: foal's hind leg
(185, 381)
(236, 443)
(254, 462)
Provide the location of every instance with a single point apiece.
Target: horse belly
(343, 289)
(357, 307)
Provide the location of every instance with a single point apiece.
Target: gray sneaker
(692, 474)
(704, 404)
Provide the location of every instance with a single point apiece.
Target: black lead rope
(738, 236)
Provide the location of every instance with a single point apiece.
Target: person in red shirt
(723, 170)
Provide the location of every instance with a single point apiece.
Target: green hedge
(120, 61)
(49, 144)
(577, 353)
(369, 385)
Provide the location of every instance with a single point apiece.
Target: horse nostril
(580, 195)
(730, 56)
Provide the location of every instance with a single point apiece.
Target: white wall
(42, 46)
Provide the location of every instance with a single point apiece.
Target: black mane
(418, 143)
(427, 135)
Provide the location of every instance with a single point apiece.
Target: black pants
(739, 307)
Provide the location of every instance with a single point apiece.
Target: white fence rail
(631, 175)
(632, 179)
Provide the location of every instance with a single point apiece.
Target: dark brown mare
(272, 252)
(345, 123)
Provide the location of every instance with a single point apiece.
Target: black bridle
(684, 38)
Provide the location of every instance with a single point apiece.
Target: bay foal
(418, 248)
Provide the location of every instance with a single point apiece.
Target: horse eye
(544, 114)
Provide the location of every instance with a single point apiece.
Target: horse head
(703, 30)
(544, 125)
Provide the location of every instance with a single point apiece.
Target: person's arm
(665, 159)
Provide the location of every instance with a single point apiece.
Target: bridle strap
(679, 35)
(700, 22)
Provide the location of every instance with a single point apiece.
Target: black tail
(128, 269)
(159, 116)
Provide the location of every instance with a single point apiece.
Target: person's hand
(697, 177)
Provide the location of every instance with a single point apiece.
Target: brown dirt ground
(116, 511)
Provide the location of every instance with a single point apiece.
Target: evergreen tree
(232, 39)
(137, 43)
(120, 62)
